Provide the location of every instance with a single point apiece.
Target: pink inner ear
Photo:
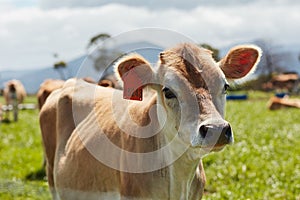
(133, 89)
(240, 63)
(245, 57)
(126, 68)
(246, 62)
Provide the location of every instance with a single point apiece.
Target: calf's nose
(227, 134)
(203, 130)
(223, 132)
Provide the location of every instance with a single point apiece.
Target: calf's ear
(135, 73)
(240, 61)
(135, 66)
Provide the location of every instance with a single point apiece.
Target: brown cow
(107, 147)
(288, 81)
(49, 85)
(14, 94)
(89, 80)
(46, 88)
(276, 103)
(110, 81)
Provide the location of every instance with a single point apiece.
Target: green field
(263, 163)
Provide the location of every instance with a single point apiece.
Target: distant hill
(284, 58)
(32, 79)
(80, 67)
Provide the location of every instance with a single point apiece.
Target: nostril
(203, 131)
(228, 132)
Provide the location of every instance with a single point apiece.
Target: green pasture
(263, 163)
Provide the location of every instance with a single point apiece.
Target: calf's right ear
(134, 62)
(135, 73)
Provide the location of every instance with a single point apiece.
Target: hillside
(32, 79)
(283, 59)
(82, 66)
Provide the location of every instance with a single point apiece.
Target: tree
(95, 40)
(102, 56)
(266, 65)
(215, 51)
(60, 66)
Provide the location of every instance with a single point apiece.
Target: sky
(31, 31)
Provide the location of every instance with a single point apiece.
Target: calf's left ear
(240, 60)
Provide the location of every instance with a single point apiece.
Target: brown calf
(107, 147)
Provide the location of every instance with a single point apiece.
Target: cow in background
(14, 94)
(276, 103)
(108, 79)
(49, 85)
(46, 88)
(288, 82)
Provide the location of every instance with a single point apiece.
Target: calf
(108, 147)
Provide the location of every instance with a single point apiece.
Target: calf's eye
(168, 93)
(226, 87)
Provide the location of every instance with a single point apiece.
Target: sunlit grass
(21, 157)
(263, 163)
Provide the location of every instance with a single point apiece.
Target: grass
(264, 162)
(21, 158)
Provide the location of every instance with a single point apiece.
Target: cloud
(152, 4)
(29, 36)
(157, 4)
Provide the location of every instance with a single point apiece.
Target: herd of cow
(99, 143)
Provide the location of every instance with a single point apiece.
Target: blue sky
(32, 30)
(20, 3)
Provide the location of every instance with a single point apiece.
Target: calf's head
(191, 88)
